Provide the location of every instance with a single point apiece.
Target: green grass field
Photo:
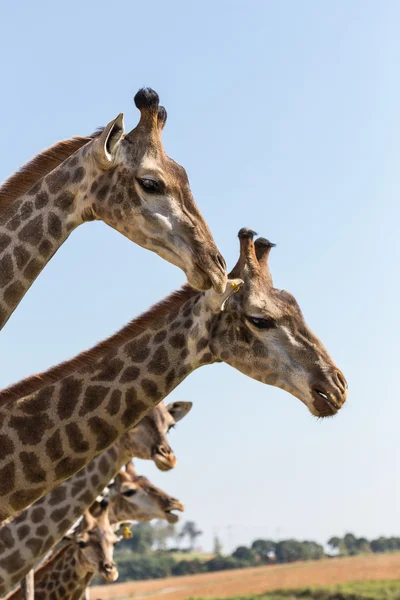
(356, 590)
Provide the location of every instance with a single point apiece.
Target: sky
(286, 116)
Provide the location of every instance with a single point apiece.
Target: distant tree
(244, 553)
(217, 546)
(337, 543)
(190, 530)
(350, 543)
(312, 550)
(379, 545)
(161, 534)
(290, 551)
(264, 549)
(363, 546)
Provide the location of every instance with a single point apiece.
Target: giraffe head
(148, 439)
(145, 195)
(134, 498)
(261, 332)
(95, 540)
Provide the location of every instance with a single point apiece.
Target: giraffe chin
(162, 463)
(203, 279)
(109, 575)
(171, 517)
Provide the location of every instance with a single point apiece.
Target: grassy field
(356, 590)
(293, 580)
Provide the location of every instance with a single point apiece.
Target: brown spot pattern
(32, 269)
(68, 467)
(31, 467)
(13, 293)
(32, 232)
(69, 394)
(4, 241)
(54, 447)
(177, 340)
(31, 429)
(130, 374)
(57, 495)
(6, 445)
(23, 531)
(105, 433)
(6, 270)
(41, 199)
(56, 180)
(38, 514)
(21, 256)
(54, 226)
(159, 362)
(110, 370)
(59, 513)
(76, 438)
(94, 396)
(23, 498)
(114, 404)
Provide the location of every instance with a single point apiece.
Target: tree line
(155, 548)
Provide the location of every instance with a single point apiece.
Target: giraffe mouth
(324, 404)
(172, 517)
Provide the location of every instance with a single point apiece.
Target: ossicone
(246, 233)
(146, 98)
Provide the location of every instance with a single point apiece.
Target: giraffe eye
(82, 544)
(129, 493)
(151, 185)
(262, 323)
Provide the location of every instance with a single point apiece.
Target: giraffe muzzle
(164, 458)
(109, 572)
(173, 505)
(330, 395)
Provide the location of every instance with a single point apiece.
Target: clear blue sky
(286, 116)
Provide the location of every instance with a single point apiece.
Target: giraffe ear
(178, 410)
(109, 140)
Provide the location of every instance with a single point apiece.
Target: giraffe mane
(134, 328)
(40, 165)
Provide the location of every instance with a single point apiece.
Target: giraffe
(127, 181)
(26, 538)
(70, 568)
(133, 497)
(49, 434)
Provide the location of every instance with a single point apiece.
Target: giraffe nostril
(341, 381)
(164, 450)
(220, 261)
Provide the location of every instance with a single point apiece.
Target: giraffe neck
(26, 539)
(62, 576)
(35, 226)
(52, 434)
